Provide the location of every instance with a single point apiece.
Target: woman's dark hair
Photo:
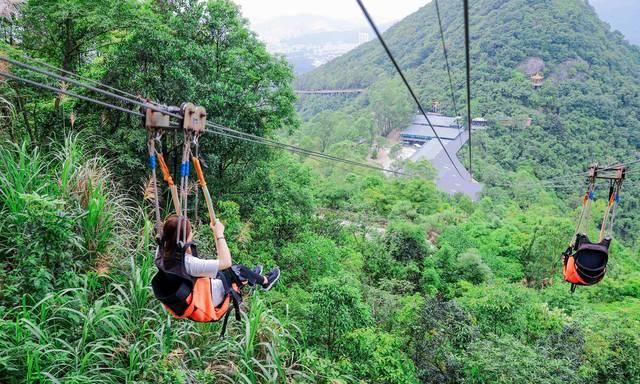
(169, 235)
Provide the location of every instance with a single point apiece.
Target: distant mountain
(288, 27)
(309, 41)
(327, 37)
(622, 15)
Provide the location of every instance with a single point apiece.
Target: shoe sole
(268, 287)
(260, 270)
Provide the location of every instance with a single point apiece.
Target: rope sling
(185, 296)
(193, 124)
(585, 262)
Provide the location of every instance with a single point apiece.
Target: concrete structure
(515, 122)
(479, 123)
(419, 132)
(448, 179)
(428, 151)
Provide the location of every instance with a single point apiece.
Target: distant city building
(363, 37)
(419, 132)
(479, 123)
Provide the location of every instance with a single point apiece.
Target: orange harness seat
(199, 303)
(186, 297)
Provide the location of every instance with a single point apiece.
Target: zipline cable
(217, 129)
(468, 70)
(555, 182)
(552, 180)
(446, 59)
(44, 72)
(83, 78)
(303, 151)
(406, 83)
(65, 92)
(158, 108)
(610, 167)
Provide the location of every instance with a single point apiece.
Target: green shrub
(471, 267)
(511, 309)
(60, 216)
(375, 357)
(430, 281)
(308, 259)
(406, 242)
(39, 246)
(336, 308)
(507, 360)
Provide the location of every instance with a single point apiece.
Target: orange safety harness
(585, 262)
(185, 296)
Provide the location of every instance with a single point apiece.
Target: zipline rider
(188, 286)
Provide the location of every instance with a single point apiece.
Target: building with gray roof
(448, 179)
(419, 132)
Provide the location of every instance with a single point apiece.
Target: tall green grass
(21, 172)
(70, 336)
(7, 117)
(76, 304)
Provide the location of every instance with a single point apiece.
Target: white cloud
(381, 10)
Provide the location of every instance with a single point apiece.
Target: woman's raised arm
(224, 255)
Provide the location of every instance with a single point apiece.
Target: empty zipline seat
(586, 262)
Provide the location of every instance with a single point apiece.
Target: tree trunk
(23, 112)
(67, 55)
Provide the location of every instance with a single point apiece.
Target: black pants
(246, 274)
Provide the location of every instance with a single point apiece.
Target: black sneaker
(272, 277)
(258, 269)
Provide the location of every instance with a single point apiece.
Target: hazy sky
(381, 10)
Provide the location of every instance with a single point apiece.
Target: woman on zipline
(196, 267)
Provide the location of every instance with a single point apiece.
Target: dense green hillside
(587, 110)
(385, 279)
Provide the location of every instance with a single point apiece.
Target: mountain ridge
(405, 51)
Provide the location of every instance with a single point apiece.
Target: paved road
(448, 180)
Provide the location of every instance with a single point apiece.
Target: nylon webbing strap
(615, 186)
(610, 212)
(193, 124)
(196, 214)
(154, 181)
(589, 196)
(154, 122)
(205, 190)
(616, 201)
(184, 181)
(166, 174)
